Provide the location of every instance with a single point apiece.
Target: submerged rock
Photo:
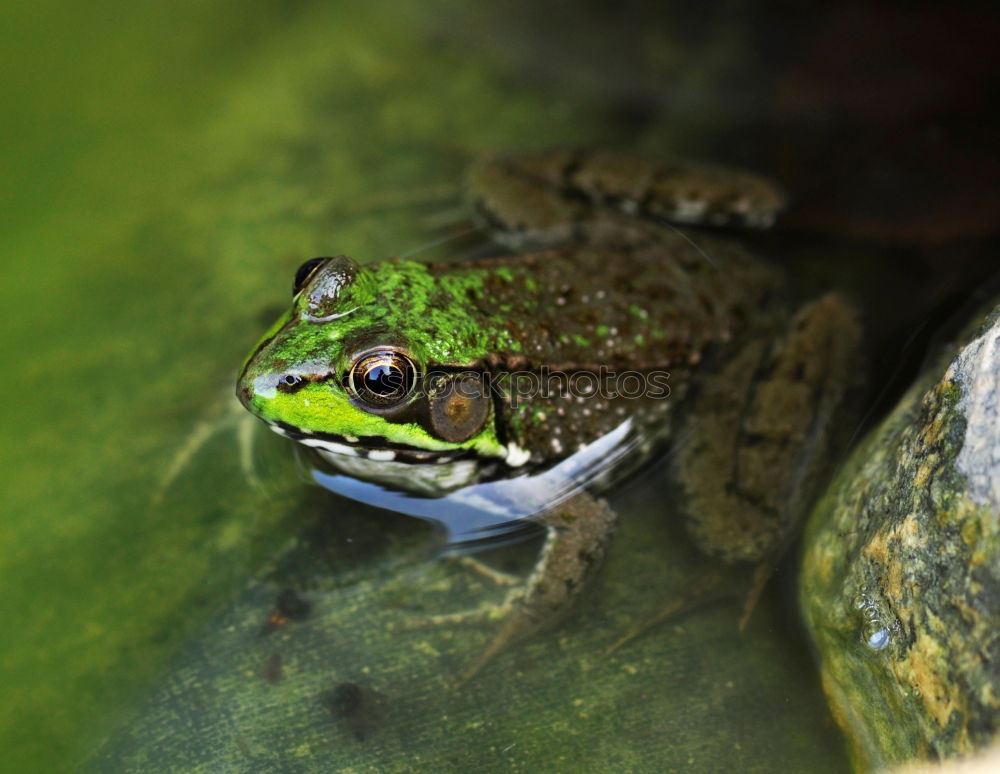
(901, 574)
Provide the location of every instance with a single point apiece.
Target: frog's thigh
(518, 209)
(760, 431)
(544, 198)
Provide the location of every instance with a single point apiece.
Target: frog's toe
(518, 623)
(203, 432)
(498, 577)
(473, 617)
(708, 589)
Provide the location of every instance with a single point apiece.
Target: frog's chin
(408, 469)
(424, 480)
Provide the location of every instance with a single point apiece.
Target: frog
(625, 278)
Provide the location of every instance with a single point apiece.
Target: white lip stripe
(334, 448)
(515, 457)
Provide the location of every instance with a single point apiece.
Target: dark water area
(177, 596)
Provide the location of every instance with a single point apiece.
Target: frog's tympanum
(430, 377)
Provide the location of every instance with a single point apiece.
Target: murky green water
(165, 171)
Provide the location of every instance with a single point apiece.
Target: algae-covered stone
(901, 575)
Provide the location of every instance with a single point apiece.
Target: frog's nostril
(290, 382)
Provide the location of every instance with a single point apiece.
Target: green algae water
(176, 596)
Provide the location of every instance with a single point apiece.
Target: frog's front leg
(226, 416)
(578, 532)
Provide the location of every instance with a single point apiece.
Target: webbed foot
(578, 531)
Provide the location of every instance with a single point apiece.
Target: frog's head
(354, 369)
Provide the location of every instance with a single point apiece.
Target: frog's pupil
(382, 379)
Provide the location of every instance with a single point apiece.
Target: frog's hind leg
(542, 199)
(763, 429)
(761, 432)
(578, 531)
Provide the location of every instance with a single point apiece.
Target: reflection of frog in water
(753, 389)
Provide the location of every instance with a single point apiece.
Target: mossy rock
(901, 575)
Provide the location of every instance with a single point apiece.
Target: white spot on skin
(381, 455)
(690, 210)
(516, 456)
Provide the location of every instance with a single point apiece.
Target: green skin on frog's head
(359, 368)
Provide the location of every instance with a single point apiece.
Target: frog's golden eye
(382, 379)
(305, 273)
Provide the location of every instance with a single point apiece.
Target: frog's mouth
(375, 448)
